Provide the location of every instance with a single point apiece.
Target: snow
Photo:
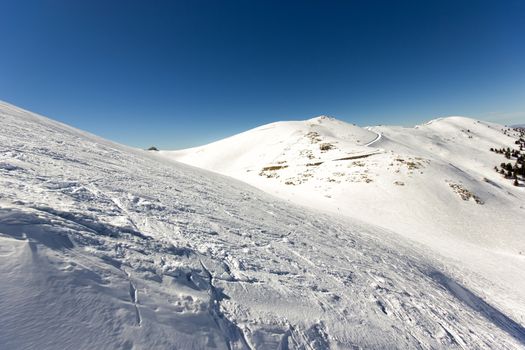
(434, 184)
(105, 246)
(268, 145)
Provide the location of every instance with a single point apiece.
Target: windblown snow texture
(107, 247)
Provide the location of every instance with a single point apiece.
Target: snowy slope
(295, 142)
(434, 184)
(107, 247)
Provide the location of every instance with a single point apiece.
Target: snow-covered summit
(321, 118)
(285, 143)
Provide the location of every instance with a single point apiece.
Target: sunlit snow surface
(434, 184)
(104, 247)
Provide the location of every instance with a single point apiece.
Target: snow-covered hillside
(108, 247)
(281, 144)
(434, 184)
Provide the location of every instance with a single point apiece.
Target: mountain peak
(321, 118)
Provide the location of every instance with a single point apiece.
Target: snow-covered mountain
(434, 184)
(108, 247)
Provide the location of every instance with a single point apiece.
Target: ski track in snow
(379, 135)
(103, 246)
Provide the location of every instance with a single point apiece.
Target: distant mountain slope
(296, 142)
(434, 184)
(103, 246)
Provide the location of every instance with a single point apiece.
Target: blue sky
(182, 73)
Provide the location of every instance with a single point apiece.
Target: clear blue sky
(182, 73)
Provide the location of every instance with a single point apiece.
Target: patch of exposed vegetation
(307, 153)
(314, 137)
(300, 178)
(269, 174)
(326, 146)
(412, 163)
(359, 177)
(358, 163)
(464, 193)
(306, 176)
(271, 171)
